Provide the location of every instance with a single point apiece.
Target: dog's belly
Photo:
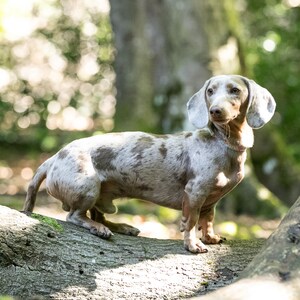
(168, 195)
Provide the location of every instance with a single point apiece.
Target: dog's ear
(197, 108)
(261, 105)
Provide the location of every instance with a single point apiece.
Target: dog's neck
(238, 135)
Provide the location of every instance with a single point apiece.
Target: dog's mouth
(220, 120)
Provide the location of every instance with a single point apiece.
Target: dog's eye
(235, 91)
(210, 91)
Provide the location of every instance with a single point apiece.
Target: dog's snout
(215, 111)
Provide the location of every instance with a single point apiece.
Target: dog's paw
(195, 246)
(213, 239)
(126, 229)
(101, 231)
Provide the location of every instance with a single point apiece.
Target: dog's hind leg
(115, 227)
(84, 198)
(78, 216)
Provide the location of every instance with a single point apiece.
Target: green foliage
(273, 42)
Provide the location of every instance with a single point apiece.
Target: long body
(190, 171)
(140, 165)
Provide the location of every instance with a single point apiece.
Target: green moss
(49, 221)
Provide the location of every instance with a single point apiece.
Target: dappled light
(6, 172)
(271, 41)
(292, 3)
(269, 45)
(27, 173)
(55, 75)
(60, 56)
(14, 180)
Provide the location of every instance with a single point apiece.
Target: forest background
(71, 69)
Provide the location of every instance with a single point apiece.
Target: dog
(190, 171)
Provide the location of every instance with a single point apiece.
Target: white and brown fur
(189, 171)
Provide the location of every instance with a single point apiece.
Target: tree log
(51, 259)
(275, 272)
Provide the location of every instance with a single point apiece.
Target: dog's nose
(215, 111)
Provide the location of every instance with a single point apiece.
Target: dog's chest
(224, 183)
(226, 179)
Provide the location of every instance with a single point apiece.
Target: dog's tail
(34, 185)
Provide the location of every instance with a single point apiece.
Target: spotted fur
(190, 171)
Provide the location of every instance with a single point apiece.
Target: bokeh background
(75, 68)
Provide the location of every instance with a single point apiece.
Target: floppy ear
(197, 108)
(261, 105)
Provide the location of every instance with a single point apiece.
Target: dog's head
(227, 97)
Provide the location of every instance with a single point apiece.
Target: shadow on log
(49, 259)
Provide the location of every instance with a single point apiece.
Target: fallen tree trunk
(56, 260)
(275, 272)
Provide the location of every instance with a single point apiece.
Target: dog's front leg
(190, 215)
(206, 224)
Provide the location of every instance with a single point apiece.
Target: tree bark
(275, 272)
(67, 262)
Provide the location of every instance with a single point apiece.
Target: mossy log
(48, 259)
